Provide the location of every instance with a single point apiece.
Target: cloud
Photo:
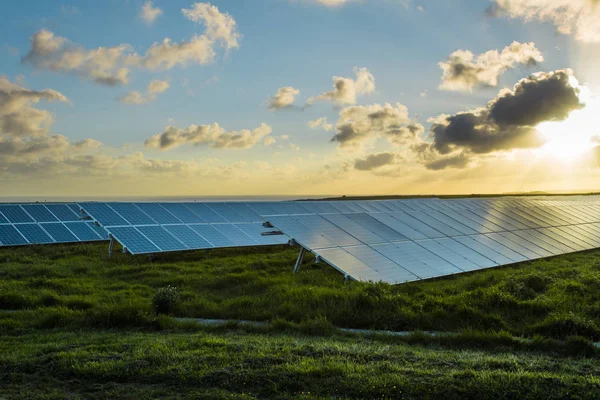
(269, 140)
(358, 124)
(320, 123)
(509, 121)
(18, 117)
(149, 14)
(154, 87)
(374, 161)
(463, 71)
(110, 66)
(571, 17)
(284, 98)
(219, 26)
(103, 65)
(345, 90)
(209, 135)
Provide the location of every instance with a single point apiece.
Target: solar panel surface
(27, 224)
(431, 238)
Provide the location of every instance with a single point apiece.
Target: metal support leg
(111, 245)
(300, 259)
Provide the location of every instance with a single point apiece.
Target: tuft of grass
(165, 300)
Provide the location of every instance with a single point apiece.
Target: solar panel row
(26, 224)
(147, 228)
(445, 237)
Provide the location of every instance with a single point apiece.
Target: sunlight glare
(569, 139)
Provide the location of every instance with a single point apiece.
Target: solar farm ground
(77, 324)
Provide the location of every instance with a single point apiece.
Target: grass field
(77, 324)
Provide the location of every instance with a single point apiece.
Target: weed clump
(165, 300)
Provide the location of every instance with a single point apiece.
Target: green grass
(234, 364)
(77, 324)
(79, 286)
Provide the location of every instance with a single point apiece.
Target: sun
(570, 139)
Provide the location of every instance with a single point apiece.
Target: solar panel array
(149, 228)
(401, 241)
(27, 224)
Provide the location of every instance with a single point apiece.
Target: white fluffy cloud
(149, 14)
(577, 17)
(18, 117)
(209, 135)
(154, 87)
(219, 26)
(320, 123)
(358, 124)
(345, 90)
(111, 65)
(284, 98)
(463, 71)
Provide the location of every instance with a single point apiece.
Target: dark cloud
(358, 124)
(509, 120)
(375, 161)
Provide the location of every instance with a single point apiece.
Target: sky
(298, 97)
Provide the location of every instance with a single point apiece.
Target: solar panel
(84, 231)
(34, 234)
(62, 212)
(393, 240)
(105, 215)
(15, 214)
(39, 212)
(26, 224)
(10, 236)
(132, 214)
(59, 232)
(161, 238)
(137, 243)
(3, 219)
(188, 236)
(211, 235)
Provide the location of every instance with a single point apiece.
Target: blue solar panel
(183, 213)
(9, 236)
(158, 213)
(384, 231)
(226, 212)
(238, 237)
(63, 212)
(105, 215)
(39, 213)
(207, 214)
(136, 242)
(256, 231)
(34, 234)
(84, 231)
(245, 212)
(15, 214)
(188, 237)
(59, 232)
(75, 208)
(98, 229)
(213, 236)
(132, 214)
(3, 220)
(160, 237)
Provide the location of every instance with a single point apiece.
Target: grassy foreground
(80, 287)
(234, 364)
(77, 324)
